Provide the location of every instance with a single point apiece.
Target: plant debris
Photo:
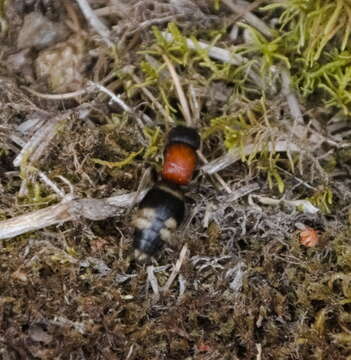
(309, 237)
(89, 91)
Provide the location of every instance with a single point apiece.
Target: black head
(184, 135)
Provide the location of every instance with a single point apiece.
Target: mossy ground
(247, 289)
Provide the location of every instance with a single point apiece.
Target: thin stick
(153, 99)
(118, 100)
(76, 26)
(259, 351)
(194, 104)
(118, 7)
(147, 23)
(107, 11)
(216, 176)
(244, 10)
(300, 181)
(235, 154)
(214, 52)
(143, 183)
(305, 205)
(184, 104)
(95, 22)
(51, 184)
(64, 96)
(151, 278)
(176, 268)
(299, 128)
(220, 54)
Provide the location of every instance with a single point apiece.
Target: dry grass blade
(184, 104)
(299, 128)
(64, 96)
(235, 154)
(38, 143)
(152, 280)
(51, 184)
(153, 99)
(243, 9)
(220, 54)
(176, 268)
(214, 52)
(216, 176)
(118, 100)
(94, 21)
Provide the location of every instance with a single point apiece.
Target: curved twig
(67, 210)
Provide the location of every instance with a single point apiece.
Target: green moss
(269, 51)
(317, 34)
(322, 199)
(118, 164)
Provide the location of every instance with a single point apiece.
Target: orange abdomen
(179, 164)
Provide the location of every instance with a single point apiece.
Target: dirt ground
(88, 92)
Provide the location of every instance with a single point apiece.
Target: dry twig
(214, 52)
(176, 268)
(152, 280)
(305, 205)
(95, 22)
(243, 9)
(216, 176)
(67, 210)
(118, 100)
(37, 144)
(64, 96)
(298, 128)
(152, 98)
(181, 96)
(235, 155)
(220, 54)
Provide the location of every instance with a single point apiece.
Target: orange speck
(180, 163)
(309, 237)
(202, 347)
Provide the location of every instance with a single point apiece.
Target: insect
(160, 212)
(162, 209)
(180, 155)
(309, 237)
